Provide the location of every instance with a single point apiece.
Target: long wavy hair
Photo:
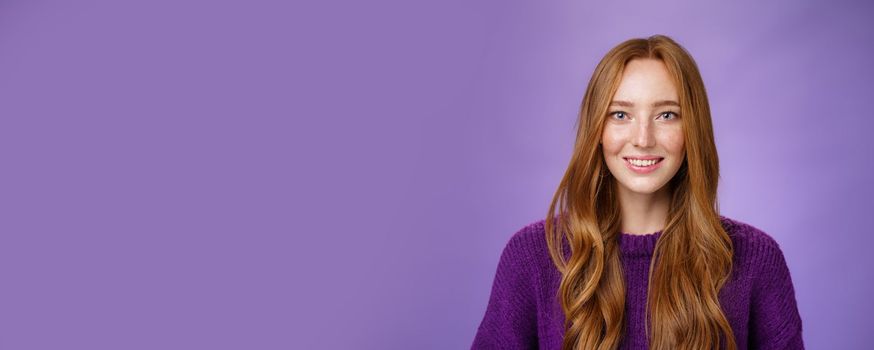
(693, 255)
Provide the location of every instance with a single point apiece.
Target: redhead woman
(633, 252)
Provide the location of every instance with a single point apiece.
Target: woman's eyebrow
(655, 104)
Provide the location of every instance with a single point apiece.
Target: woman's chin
(643, 188)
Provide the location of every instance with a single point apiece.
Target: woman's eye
(617, 114)
(666, 114)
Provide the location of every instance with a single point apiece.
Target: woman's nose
(642, 136)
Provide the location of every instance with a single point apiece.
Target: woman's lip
(643, 169)
(644, 157)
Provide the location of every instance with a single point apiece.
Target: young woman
(638, 256)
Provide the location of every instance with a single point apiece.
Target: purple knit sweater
(523, 312)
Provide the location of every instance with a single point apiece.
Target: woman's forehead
(645, 82)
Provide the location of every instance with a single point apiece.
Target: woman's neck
(644, 213)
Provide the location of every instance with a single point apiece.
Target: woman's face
(643, 127)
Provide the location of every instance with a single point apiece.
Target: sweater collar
(638, 244)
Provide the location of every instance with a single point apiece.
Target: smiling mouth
(643, 163)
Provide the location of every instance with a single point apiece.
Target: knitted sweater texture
(523, 312)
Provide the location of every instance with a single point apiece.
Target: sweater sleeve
(775, 322)
(510, 320)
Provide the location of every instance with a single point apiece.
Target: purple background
(314, 175)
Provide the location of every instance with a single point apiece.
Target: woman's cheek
(672, 140)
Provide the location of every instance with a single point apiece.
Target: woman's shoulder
(530, 231)
(752, 245)
(530, 237)
(745, 233)
(528, 243)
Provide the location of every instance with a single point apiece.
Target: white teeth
(639, 162)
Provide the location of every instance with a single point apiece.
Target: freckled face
(643, 121)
